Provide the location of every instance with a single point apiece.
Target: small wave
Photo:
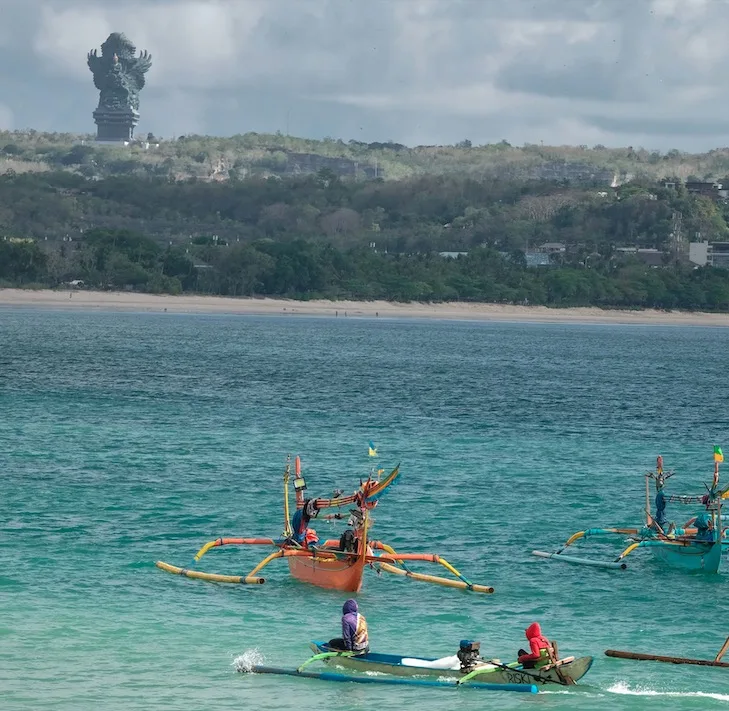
(622, 688)
(246, 661)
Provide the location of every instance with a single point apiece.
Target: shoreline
(81, 300)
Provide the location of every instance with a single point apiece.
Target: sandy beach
(80, 300)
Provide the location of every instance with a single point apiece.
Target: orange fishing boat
(331, 574)
(339, 573)
(337, 564)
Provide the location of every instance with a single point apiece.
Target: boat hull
(700, 557)
(342, 574)
(330, 676)
(393, 664)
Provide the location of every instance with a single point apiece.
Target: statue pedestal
(115, 125)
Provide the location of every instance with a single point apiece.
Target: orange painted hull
(343, 575)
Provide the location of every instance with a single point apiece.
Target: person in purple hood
(354, 631)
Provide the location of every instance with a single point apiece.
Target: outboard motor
(469, 654)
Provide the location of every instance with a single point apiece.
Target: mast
(287, 520)
(719, 532)
(647, 500)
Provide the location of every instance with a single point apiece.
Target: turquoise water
(127, 438)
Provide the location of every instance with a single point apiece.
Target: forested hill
(323, 236)
(251, 154)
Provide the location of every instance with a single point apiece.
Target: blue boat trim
(394, 681)
(392, 659)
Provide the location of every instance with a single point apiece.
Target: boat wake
(622, 688)
(246, 661)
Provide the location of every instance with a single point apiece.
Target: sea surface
(131, 438)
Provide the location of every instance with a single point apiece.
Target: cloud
(645, 72)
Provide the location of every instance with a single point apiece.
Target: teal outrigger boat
(565, 672)
(697, 545)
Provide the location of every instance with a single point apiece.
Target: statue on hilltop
(119, 77)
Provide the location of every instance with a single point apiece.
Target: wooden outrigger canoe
(565, 672)
(680, 547)
(331, 564)
(390, 681)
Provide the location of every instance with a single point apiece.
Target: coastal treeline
(320, 236)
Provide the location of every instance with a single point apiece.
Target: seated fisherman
(354, 631)
(302, 534)
(704, 526)
(542, 651)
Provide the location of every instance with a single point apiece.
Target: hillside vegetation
(240, 156)
(320, 235)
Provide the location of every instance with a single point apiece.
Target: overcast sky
(652, 73)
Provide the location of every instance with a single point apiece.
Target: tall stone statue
(119, 77)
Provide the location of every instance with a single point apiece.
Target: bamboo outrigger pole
(722, 651)
(716, 662)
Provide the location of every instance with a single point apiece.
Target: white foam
(246, 661)
(622, 688)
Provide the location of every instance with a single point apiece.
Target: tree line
(319, 236)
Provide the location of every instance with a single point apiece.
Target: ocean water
(129, 438)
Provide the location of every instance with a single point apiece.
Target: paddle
(324, 655)
(477, 672)
(657, 525)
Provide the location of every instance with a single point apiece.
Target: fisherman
(660, 517)
(542, 651)
(704, 526)
(704, 522)
(354, 631)
(348, 540)
(302, 534)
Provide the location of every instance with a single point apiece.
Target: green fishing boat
(462, 667)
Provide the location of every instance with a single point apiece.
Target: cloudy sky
(652, 73)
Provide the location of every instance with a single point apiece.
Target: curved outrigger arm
(232, 542)
(250, 579)
(587, 533)
(393, 562)
(324, 655)
(210, 577)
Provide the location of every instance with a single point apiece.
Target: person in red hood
(542, 651)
